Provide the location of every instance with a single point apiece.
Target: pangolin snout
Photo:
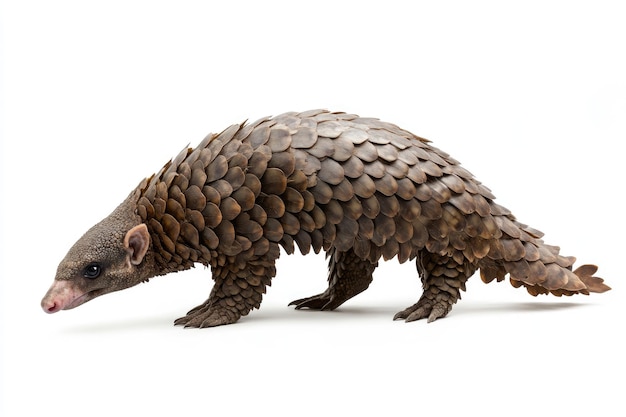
(61, 295)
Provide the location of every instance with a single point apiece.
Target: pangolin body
(358, 188)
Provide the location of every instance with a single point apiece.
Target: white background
(97, 95)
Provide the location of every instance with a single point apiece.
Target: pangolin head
(112, 255)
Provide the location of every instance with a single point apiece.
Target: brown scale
(358, 188)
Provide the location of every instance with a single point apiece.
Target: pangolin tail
(549, 278)
(530, 262)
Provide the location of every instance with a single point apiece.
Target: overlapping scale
(319, 180)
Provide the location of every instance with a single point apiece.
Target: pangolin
(357, 188)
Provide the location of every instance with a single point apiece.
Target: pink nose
(59, 296)
(50, 306)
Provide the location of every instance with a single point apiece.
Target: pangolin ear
(136, 242)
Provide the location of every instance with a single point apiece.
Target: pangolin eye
(92, 271)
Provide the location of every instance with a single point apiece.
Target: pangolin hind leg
(348, 275)
(239, 288)
(443, 278)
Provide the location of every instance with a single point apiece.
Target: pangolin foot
(208, 316)
(425, 308)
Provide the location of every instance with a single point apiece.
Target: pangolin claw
(320, 302)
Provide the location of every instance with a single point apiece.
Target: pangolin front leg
(348, 275)
(443, 278)
(237, 290)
